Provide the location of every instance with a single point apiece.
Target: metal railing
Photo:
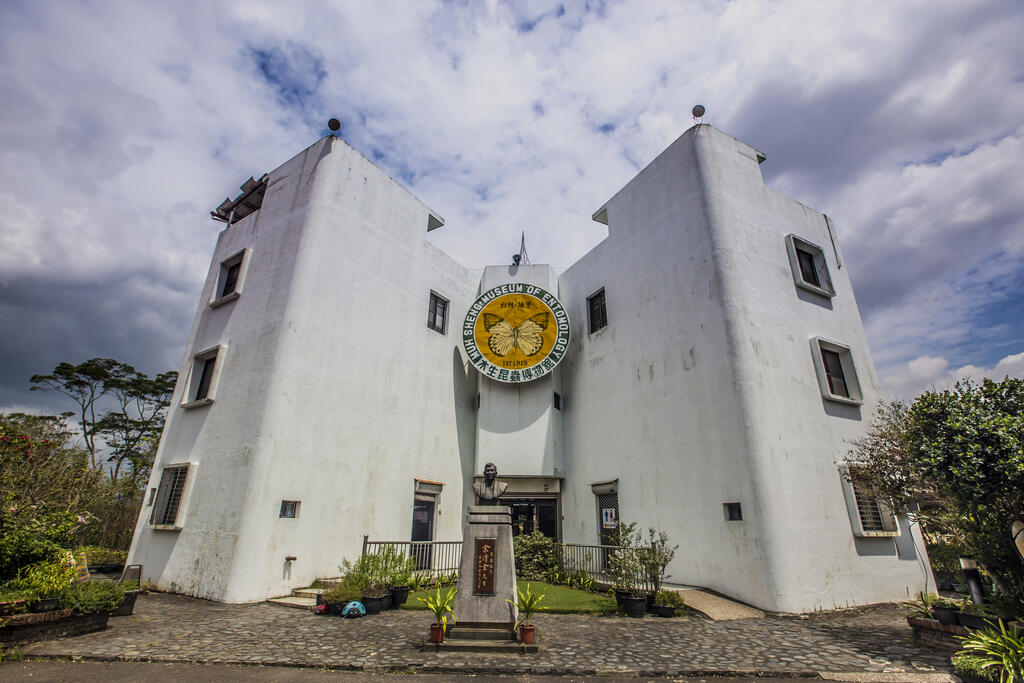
(433, 558)
(437, 558)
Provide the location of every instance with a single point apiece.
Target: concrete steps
(301, 598)
(480, 639)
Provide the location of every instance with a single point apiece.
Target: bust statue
(489, 490)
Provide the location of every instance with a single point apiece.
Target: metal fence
(433, 558)
(436, 558)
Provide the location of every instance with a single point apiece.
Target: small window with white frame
(810, 269)
(437, 314)
(837, 376)
(869, 517)
(230, 278)
(203, 375)
(170, 497)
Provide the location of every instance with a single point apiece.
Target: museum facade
(702, 370)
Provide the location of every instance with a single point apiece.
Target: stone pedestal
(487, 570)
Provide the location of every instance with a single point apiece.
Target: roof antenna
(521, 257)
(698, 113)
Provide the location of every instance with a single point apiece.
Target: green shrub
(536, 555)
(91, 597)
(27, 539)
(669, 599)
(999, 650)
(98, 555)
(342, 592)
(970, 665)
(44, 579)
(396, 568)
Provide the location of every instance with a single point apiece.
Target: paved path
(169, 628)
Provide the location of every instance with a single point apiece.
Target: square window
(289, 509)
(837, 376)
(558, 401)
(169, 496)
(597, 312)
(810, 269)
(869, 517)
(437, 314)
(229, 279)
(202, 380)
(733, 512)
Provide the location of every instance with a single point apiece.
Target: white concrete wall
(518, 427)
(335, 393)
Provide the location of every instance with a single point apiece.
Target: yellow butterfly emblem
(526, 336)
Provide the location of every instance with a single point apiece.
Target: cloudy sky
(123, 123)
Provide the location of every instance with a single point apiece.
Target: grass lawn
(557, 600)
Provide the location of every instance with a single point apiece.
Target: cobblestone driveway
(175, 628)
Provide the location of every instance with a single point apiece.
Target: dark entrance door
(423, 528)
(533, 514)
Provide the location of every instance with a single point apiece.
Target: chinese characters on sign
(483, 583)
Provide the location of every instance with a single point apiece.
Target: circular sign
(516, 333)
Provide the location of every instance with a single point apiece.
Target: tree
(84, 384)
(132, 429)
(955, 461)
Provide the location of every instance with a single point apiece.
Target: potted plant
(399, 570)
(978, 616)
(441, 605)
(527, 604)
(626, 566)
(655, 561)
(943, 609)
(666, 603)
(340, 593)
(370, 573)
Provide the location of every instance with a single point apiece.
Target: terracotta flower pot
(436, 633)
(527, 635)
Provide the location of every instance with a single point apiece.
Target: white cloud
(932, 373)
(124, 124)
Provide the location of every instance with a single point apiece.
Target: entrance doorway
(423, 528)
(533, 514)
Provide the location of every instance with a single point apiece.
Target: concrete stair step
(307, 592)
(495, 634)
(294, 602)
(501, 646)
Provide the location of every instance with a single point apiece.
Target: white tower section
(328, 389)
(707, 388)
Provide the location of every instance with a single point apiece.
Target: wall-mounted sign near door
(516, 333)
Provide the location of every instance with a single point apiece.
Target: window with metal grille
(437, 315)
(834, 372)
(868, 509)
(168, 496)
(597, 312)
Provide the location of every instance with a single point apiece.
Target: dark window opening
(834, 372)
(438, 314)
(423, 529)
(733, 512)
(205, 377)
(231, 278)
(533, 514)
(597, 311)
(807, 268)
(558, 401)
(289, 508)
(168, 496)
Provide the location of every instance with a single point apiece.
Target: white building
(715, 370)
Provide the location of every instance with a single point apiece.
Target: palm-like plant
(1001, 650)
(441, 605)
(528, 604)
